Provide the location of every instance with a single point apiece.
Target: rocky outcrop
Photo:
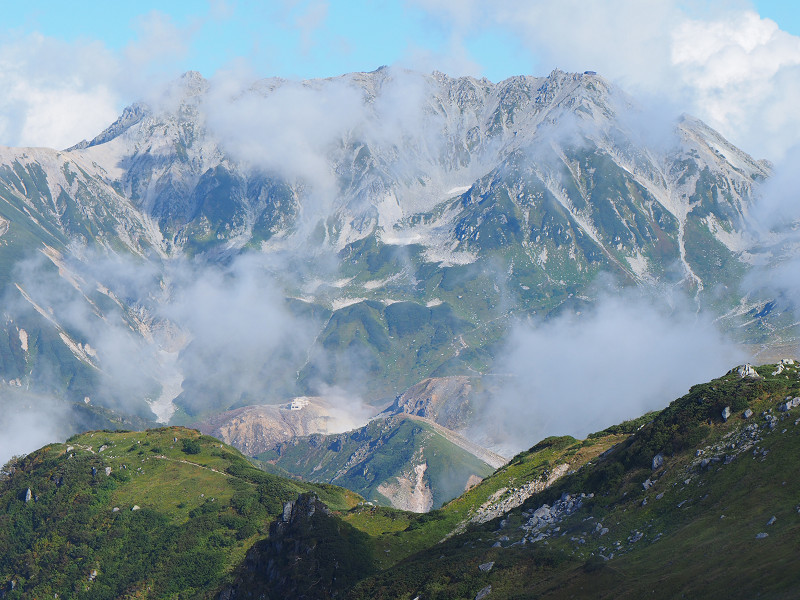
(746, 371)
(505, 500)
(658, 461)
(310, 554)
(785, 362)
(444, 400)
(540, 522)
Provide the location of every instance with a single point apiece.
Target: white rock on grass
(483, 593)
(747, 371)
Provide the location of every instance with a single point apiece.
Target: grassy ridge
(188, 509)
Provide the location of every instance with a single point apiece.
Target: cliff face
(310, 554)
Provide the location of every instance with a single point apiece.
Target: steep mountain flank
(399, 461)
(404, 242)
(309, 553)
(708, 477)
(444, 400)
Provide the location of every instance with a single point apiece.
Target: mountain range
(358, 234)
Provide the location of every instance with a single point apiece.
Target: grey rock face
(635, 537)
(658, 461)
(726, 413)
(747, 413)
(486, 567)
(483, 593)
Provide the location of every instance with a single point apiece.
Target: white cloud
(743, 73)
(576, 374)
(309, 22)
(729, 67)
(58, 93)
(156, 50)
(54, 93)
(286, 128)
(28, 422)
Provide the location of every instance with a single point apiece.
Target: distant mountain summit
(404, 218)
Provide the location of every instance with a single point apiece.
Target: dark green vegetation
(617, 523)
(308, 554)
(174, 515)
(401, 343)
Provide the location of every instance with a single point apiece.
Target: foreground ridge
(645, 507)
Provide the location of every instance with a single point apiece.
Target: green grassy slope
(693, 531)
(201, 505)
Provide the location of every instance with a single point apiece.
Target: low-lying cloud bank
(576, 374)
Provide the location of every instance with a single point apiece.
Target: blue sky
(68, 68)
(303, 38)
